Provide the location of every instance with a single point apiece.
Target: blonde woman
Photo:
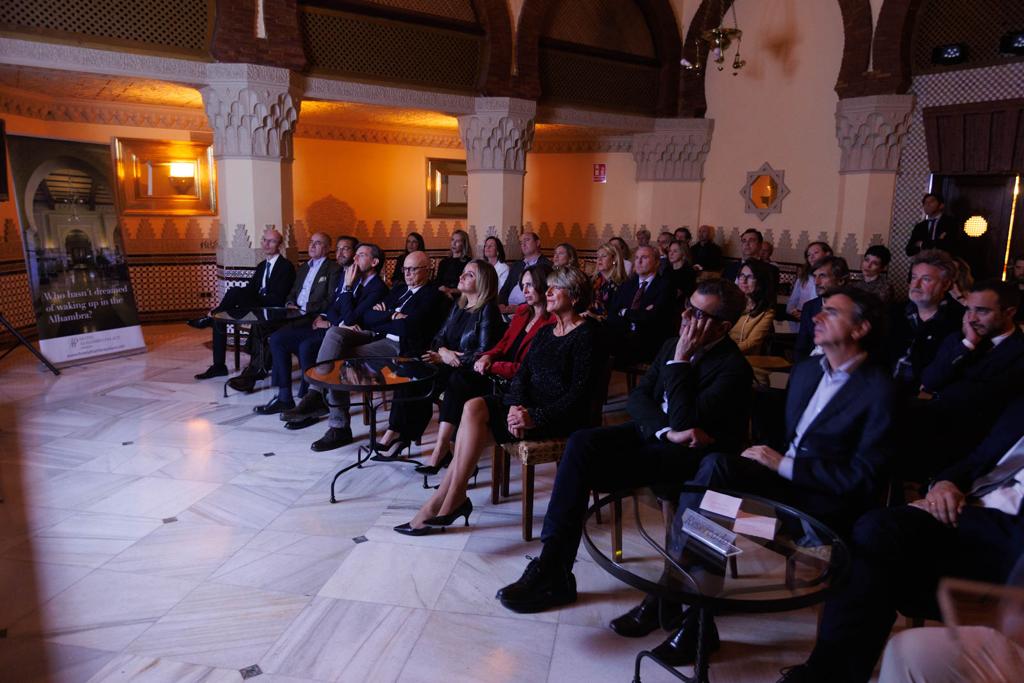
(610, 273)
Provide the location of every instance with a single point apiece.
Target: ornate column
(496, 138)
(252, 110)
(670, 172)
(870, 131)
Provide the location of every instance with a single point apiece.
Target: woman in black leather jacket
(473, 326)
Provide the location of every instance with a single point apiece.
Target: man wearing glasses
(695, 394)
(402, 324)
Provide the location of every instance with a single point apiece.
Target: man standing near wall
(936, 231)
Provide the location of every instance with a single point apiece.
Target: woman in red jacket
(500, 363)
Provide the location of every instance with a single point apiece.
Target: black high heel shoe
(407, 530)
(442, 521)
(431, 470)
(391, 451)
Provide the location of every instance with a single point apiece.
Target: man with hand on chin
(696, 392)
(834, 458)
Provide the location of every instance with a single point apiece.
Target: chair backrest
(600, 379)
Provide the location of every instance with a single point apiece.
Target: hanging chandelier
(718, 40)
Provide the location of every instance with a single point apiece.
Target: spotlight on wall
(975, 226)
(954, 53)
(182, 176)
(1012, 43)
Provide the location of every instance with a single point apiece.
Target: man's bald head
(319, 245)
(417, 269)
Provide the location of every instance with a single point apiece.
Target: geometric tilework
(16, 299)
(933, 90)
(174, 287)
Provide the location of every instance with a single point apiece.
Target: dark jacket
(280, 283)
(913, 343)
(515, 271)
(321, 292)
(349, 306)
(470, 332)
(707, 256)
(423, 316)
(1007, 430)
(804, 343)
(648, 325)
(448, 271)
(946, 231)
(713, 393)
(965, 383)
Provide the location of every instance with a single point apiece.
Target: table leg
(238, 346)
(701, 662)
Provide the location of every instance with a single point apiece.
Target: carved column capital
(870, 131)
(252, 110)
(676, 150)
(498, 134)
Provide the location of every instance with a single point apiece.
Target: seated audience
(643, 237)
(829, 272)
(268, 286)
(695, 394)
(564, 256)
(803, 287)
(511, 297)
(359, 289)
(707, 256)
(497, 366)
(624, 250)
(450, 268)
(310, 294)
(664, 239)
(684, 236)
(767, 249)
(413, 242)
(969, 526)
(402, 324)
(874, 268)
(640, 316)
(494, 253)
(834, 462)
(963, 281)
(681, 276)
(609, 275)
(750, 249)
(929, 316)
(551, 396)
(473, 326)
(754, 327)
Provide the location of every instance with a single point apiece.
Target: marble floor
(153, 530)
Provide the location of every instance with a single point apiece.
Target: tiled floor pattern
(152, 530)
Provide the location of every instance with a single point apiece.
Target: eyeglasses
(409, 270)
(743, 277)
(700, 314)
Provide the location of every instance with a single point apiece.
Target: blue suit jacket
(842, 458)
(424, 313)
(805, 337)
(351, 309)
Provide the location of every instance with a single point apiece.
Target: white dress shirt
(307, 284)
(1008, 497)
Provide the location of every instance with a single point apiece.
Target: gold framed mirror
(764, 191)
(447, 188)
(165, 178)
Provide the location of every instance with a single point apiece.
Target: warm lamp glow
(975, 226)
(183, 169)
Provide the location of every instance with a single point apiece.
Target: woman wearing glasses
(751, 331)
(550, 396)
(473, 325)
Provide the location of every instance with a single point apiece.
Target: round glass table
(254, 317)
(769, 557)
(408, 379)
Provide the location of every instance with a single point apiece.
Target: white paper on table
(721, 504)
(755, 525)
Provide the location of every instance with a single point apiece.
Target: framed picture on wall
(165, 178)
(4, 196)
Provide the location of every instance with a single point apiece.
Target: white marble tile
(454, 537)
(221, 626)
(474, 582)
(29, 660)
(69, 489)
(598, 655)
(239, 506)
(348, 518)
(27, 585)
(339, 640)
(152, 497)
(138, 669)
(302, 545)
(105, 610)
(465, 647)
(182, 550)
(408, 576)
(85, 538)
(133, 458)
(296, 574)
(210, 465)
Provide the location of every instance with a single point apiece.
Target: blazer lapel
(802, 396)
(842, 398)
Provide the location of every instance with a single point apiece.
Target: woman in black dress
(681, 275)
(474, 325)
(450, 267)
(413, 242)
(550, 397)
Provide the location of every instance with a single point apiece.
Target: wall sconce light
(182, 176)
(954, 53)
(1012, 43)
(975, 226)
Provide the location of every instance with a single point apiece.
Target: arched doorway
(79, 249)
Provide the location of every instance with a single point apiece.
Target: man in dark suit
(641, 315)
(358, 289)
(310, 294)
(834, 460)
(402, 324)
(936, 231)
(969, 525)
(696, 393)
(268, 286)
(511, 296)
(751, 242)
(828, 272)
(707, 256)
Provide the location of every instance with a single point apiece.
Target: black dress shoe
(200, 323)
(336, 437)
(301, 423)
(801, 673)
(311, 405)
(539, 588)
(213, 371)
(680, 648)
(274, 407)
(464, 510)
(646, 617)
(408, 530)
(243, 383)
(431, 470)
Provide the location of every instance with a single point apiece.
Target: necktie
(1002, 474)
(931, 227)
(356, 291)
(266, 274)
(639, 295)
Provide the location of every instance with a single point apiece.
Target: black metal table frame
(237, 333)
(371, 409)
(706, 607)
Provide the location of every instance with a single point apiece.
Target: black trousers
(606, 459)
(411, 418)
(899, 555)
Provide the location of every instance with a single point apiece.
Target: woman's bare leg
(445, 432)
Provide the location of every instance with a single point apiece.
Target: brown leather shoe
(336, 437)
(311, 405)
(243, 383)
